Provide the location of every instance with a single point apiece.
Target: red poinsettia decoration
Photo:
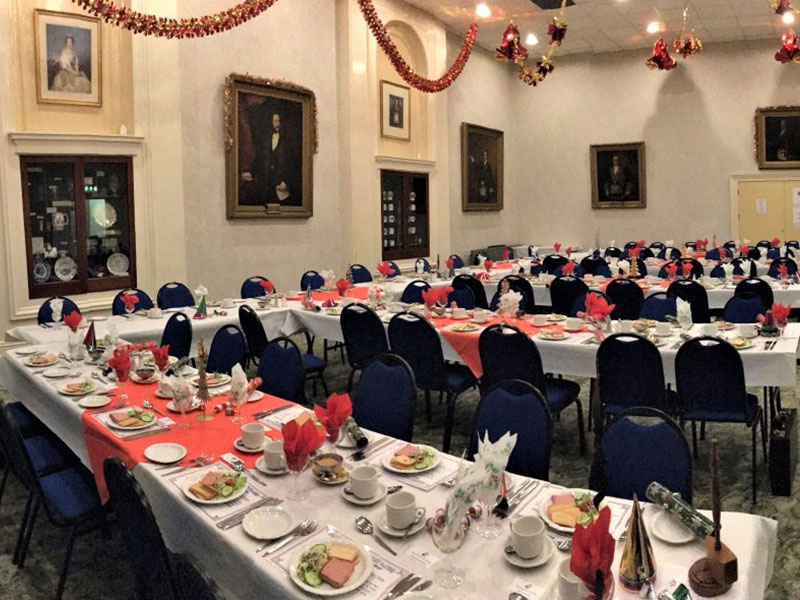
(510, 47)
(640, 244)
(593, 553)
(687, 269)
(781, 313)
(661, 60)
(671, 269)
(557, 30)
(789, 52)
(449, 263)
(385, 268)
(488, 264)
(634, 253)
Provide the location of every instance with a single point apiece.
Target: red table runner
(359, 293)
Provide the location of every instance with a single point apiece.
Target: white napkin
(481, 260)
(509, 303)
(201, 291)
(180, 388)
(684, 312)
(533, 251)
(238, 393)
(57, 306)
(728, 268)
(624, 266)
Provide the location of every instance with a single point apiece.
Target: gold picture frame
(270, 142)
(68, 50)
(777, 137)
(619, 175)
(481, 168)
(395, 111)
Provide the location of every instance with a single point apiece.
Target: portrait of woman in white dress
(69, 77)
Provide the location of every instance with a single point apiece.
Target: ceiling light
(531, 40)
(653, 27)
(788, 17)
(483, 11)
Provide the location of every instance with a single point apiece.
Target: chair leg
(63, 579)
(22, 528)
(324, 384)
(428, 412)
(448, 424)
(764, 437)
(325, 349)
(694, 439)
(581, 434)
(590, 416)
(26, 544)
(702, 430)
(755, 463)
(3, 482)
(441, 395)
(350, 380)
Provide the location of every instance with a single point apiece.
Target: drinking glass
(237, 399)
(182, 398)
(332, 435)
(447, 574)
(297, 465)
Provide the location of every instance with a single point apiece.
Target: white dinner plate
(668, 530)
(362, 571)
(255, 396)
(98, 318)
(218, 499)
(53, 360)
(172, 408)
(268, 523)
(467, 327)
(56, 372)
(547, 500)
(548, 547)
(26, 351)
(89, 390)
(134, 428)
(165, 454)
(544, 336)
(94, 401)
(387, 462)
(222, 380)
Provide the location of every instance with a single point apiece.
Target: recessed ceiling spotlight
(653, 27)
(788, 17)
(483, 11)
(531, 40)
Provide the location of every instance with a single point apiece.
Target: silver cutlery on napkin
(402, 586)
(308, 529)
(370, 450)
(237, 518)
(149, 406)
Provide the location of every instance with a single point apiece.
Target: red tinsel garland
(401, 66)
(137, 22)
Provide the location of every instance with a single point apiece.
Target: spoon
(364, 525)
(417, 520)
(348, 489)
(149, 406)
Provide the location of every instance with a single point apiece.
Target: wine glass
(238, 397)
(182, 399)
(297, 465)
(332, 434)
(447, 574)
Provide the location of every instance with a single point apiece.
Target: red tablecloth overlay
(211, 437)
(359, 293)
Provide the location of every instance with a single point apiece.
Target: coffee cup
(540, 320)
(663, 329)
(401, 510)
(481, 316)
(274, 456)
(574, 324)
(711, 329)
(459, 313)
(154, 312)
(626, 326)
(253, 435)
(364, 482)
(747, 330)
(569, 585)
(527, 536)
(227, 303)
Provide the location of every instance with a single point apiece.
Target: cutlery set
(508, 504)
(370, 451)
(406, 584)
(305, 528)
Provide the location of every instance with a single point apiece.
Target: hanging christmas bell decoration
(687, 45)
(557, 30)
(789, 52)
(781, 6)
(511, 49)
(661, 60)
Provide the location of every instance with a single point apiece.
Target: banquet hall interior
(415, 299)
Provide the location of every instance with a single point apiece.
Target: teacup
(253, 435)
(145, 373)
(227, 303)
(527, 536)
(273, 455)
(569, 585)
(747, 330)
(459, 313)
(711, 329)
(540, 320)
(626, 326)
(364, 482)
(574, 324)
(401, 510)
(154, 313)
(481, 316)
(663, 329)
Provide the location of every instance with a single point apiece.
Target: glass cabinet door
(404, 214)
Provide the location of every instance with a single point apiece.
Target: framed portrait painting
(270, 141)
(481, 168)
(68, 59)
(618, 176)
(395, 111)
(778, 137)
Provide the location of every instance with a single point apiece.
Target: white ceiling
(613, 25)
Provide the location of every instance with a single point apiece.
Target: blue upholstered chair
(385, 398)
(669, 253)
(791, 267)
(458, 262)
(627, 472)
(416, 341)
(395, 272)
(508, 353)
(759, 287)
(193, 582)
(523, 286)
(612, 252)
(45, 314)
(744, 308)
(551, 262)
(311, 279)
(412, 294)
(644, 253)
(360, 273)
(577, 271)
(421, 265)
(657, 247)
(178, 335)
(252, 288)
(495, 303)
(714, 254)
(564, 291)
(364, 337)
(594, 265)
(657, 306)
(731, 245)
(118, 307)
(282, 370)
(463, 297)
(711, 388)
(227, 348)
(254, 333)
(174, 295)
(693, 293)
(517, 407)
(627, 297)
(474, 284)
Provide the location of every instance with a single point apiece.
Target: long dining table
(230, 556)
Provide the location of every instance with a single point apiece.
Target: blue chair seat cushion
(24, 419)
(672, 400)
(71, 494)
(314, 363)
(726, 417)
(560, 393)
(47, 455)
(459, 378)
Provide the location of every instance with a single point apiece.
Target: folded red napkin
(783, 271)
(443, 294)
(557, 246)
(161, 357)
(775, 242)
(593, 553)
(687, 269)
(482, 276)
(671, 269)
(634, 253)
(385, 268)
(73, 320)
(329, 303)
(430, 296)
(300, 438)
(488, 264)
(506, 254)
(598, 307)
(129, 300)
(640, 244)
(121, 363)
(268, 286)
(568, 251)
(568, 268)
(338, 410)
(449, 263)
(341, 286)
(780, 312)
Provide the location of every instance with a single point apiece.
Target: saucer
(667, 530)
(242, 448)
(171, 406)
(343, 479)
(548, 548)
(163, 395)
(392, 532)
(56, 372)
(94, 401)
(353, 499)
(261, 465)
(255, 396)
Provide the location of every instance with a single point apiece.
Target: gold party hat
(638, 565)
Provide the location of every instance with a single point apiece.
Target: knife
(370, 450)
(402, 586)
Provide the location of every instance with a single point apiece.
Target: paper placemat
(278, 419)
(385, 573)
(427, 480)
(104, 418)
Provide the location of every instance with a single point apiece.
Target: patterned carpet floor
(99, 569)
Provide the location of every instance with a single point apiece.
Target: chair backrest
(174, 295)
(744, 308)
(227, 348)
(612, 252)
(627, 296)
(640, 266)
(517, 407)
(657, 306)
(364, 334)
(643, 253)
(145, 302)
(360, 273)
(178, 335)
(718, 253)
(412, 294)
(395, 269)
(764, 244)
(695, 294)
(193, 581)
(594, 265)
(13, 448)
(731, 245)
(760, 288)
(564, 291)
(754, 253)
(629, 245)
(508, 353)
(773, 253)
(45, 314)
(577, 270)
(386, 397)
(630, 372)
(416, 341)
(508, 250)
(311, 279)
(794, 244)
(458, 262)
(463, 297)
(474, 284)
(670, 253)
(252, 288)
(579, 306)
(791, 267)
(692, 245)
(282, 370)
(421, 265)
(551, 262)
(624, 466)
(523, 286)
(253, 330)
(739, 266)
(657, 246)
(710, 378)
(146, 552)
(697, 267)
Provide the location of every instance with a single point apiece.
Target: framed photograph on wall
(68, 54)
(395, 111)
(481, 168)
(618, 176)
(270, 141)
(778, 137)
